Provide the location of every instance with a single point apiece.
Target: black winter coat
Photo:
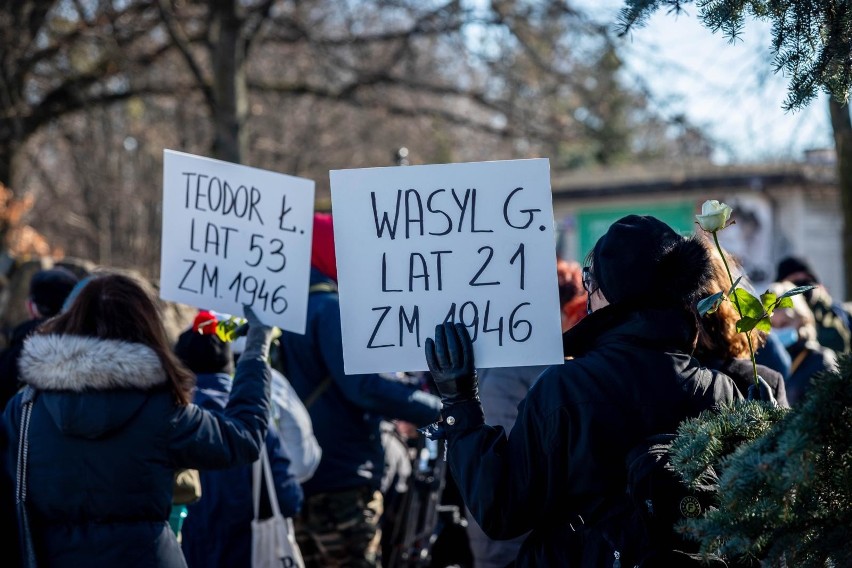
(631, 377)
(105, 438)
(9, 375)
(740, 370)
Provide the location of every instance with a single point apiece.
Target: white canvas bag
(274, 539)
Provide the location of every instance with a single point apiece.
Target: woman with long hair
(110, 422)
(720, 346)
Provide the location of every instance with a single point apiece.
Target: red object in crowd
(572, 296)
(322, 249)
(204, 323)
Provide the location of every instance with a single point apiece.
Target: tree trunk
(229, 82)
(6, 155)
(842, 127)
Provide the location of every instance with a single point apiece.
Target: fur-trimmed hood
(77, 363)
(90, 387)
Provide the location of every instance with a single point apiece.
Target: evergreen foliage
(811, 39)
(783, 477)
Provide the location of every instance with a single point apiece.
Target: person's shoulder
(23, 330)
(769, 374)
(711, 385)
(324, 303)
(818, 352)
(829, 356)
(549, 389)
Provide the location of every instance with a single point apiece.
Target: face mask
(786, 335)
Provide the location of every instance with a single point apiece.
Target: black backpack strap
(312, 398)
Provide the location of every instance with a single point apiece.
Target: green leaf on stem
(734, 285)
(747, 324)
(747, 305)
(784, 303)
(797, 290)
(768, 300)
(710, 304)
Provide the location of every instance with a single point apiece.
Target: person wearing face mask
(796, 328)
(831, 320)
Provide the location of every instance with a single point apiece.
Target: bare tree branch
(254, 21)
(182, 44)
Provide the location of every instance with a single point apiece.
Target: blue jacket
(774, 355)
(631, 377)
(810, 359)
(347, 414)
(105, 438)
(217, 529)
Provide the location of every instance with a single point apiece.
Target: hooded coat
(105, 438)
(631, 376)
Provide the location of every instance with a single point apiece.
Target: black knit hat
(791, 265)
(640, 259)
(49, 288)
(204, 353)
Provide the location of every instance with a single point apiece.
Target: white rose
(714, 215)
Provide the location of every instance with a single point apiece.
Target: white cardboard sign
(235, 235)
(470, 243)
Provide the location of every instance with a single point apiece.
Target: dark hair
(204, 353)
(792, 265)
(119, 307)
(641, 260)
(49, 288)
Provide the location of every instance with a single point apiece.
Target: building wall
(810, 226)
(771, 223)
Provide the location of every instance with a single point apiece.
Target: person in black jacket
(48, 290)
(561, 471)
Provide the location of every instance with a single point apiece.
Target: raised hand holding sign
(471, 243)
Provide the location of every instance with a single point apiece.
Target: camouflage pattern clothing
(831, 321)
(337, 529)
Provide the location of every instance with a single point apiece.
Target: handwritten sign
(470, 243)
(235, 235)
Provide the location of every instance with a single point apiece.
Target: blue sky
(729, 90)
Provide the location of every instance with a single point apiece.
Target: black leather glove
(763, 393)
(450, 360)
(258, 336)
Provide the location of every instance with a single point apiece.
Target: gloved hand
(450, 360)
(258, 336)
(763, 393)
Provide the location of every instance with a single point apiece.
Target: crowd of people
(112, 431)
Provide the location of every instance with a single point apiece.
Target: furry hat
(204, 353)
(49, 288)
(640, 259)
